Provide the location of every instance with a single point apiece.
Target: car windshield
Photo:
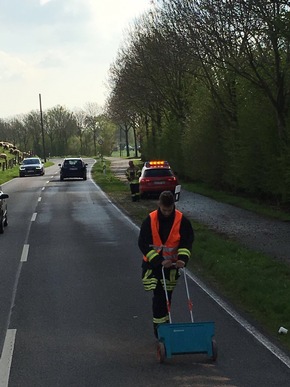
(31, 161)
(158, 172)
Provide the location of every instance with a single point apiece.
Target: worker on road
(166, 238)
(133, 174)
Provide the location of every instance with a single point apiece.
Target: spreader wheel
(214, 350)
(160, 352)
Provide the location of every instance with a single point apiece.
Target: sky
(60, 50)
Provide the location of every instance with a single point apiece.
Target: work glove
(181, 258)
(167, 263)
(180, 264)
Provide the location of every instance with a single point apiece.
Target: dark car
(73, 168)
(3, 211)
(31, 166)
(157, 176)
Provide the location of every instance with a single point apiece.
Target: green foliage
(201, 143)
(64, 132)
(8, 174)
(215, 105)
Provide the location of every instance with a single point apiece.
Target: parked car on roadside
(3, 211)
(31, 166)
(73, 167)
(157, 176)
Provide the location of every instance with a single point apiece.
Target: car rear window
(75, 163)
(158, 172)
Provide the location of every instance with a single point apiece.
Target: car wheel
(214, 350)
(1, 225)
(85, 177)
(6, 221)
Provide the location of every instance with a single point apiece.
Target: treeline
(61, 132)
(206, 84)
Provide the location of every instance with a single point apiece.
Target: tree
(60, 126)
(80, 118)
(92, 110)
(32, 123)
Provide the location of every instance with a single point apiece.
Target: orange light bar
(156, 164)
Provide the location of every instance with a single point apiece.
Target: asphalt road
(72, 307)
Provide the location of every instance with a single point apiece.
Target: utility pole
(42, 130)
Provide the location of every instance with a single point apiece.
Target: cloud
(43, 2)
(13, 68)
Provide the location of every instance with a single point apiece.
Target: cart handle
(187, 293)
(189, 302)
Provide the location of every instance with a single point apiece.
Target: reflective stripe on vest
(169, 248)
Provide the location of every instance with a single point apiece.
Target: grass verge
(257, 285)
(9, 174)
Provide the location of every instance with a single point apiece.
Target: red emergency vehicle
(157, 176)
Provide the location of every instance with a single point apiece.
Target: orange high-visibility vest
(169, 248)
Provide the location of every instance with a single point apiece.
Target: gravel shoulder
(269, 236)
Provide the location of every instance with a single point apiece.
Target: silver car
(31, 166)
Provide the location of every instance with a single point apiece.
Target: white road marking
(39, 199)
(34, 215)
(24, 254)
(6, 357)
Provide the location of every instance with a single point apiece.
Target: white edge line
(34, 215)
(6, 357)
(24, 253)
(39, 199)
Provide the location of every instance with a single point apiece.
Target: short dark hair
(166, 198)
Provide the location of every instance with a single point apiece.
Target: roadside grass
(257, 285)
(9, 174)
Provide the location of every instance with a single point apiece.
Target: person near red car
(133, 174)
